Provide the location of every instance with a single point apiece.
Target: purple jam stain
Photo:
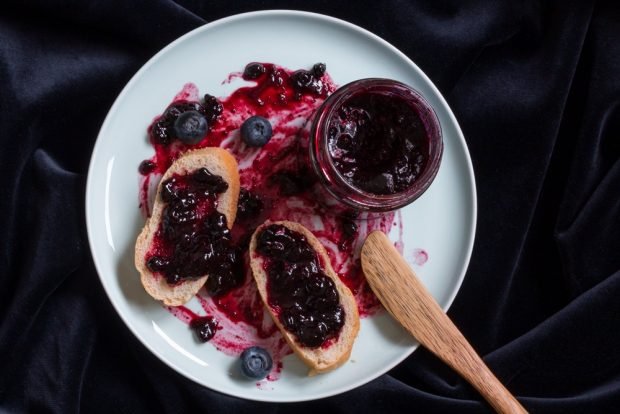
(291, 183)
(193, 238)
(378, 143)
(302, 295)
(249, 205)
(275, 89)
(420, 256)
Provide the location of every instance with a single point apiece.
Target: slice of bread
(219, 162)
(320, 359)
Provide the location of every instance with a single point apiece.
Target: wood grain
(410, 303)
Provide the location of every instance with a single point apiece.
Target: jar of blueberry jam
(375, 145)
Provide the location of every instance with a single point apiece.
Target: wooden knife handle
(395, 284)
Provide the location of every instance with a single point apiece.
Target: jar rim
(332, 178)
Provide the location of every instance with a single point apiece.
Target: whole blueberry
(190, 127)
(318, 69)
(256, 362)
(256, 131)
(253, 70)
(146, 167)
(205, 327)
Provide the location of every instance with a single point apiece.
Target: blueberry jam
(253, 70)
(302, 295)
(275, 186)
(146, 167)
(193, 238)
(162, 130)
(249, 205)
(289, 86)
(378, 142)
(292, 182)
(205, 327)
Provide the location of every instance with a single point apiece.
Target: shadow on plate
(391, 330)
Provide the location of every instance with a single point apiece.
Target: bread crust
(219, 162)
(319, 360)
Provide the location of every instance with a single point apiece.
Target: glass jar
(383, 102)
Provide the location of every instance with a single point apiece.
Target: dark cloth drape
(535, 86)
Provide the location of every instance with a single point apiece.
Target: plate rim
(286, 14)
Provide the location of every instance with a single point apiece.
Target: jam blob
(249, 205)
(205, 327)
(378, 142)
(193, 238)
(146, 167)
(301, 294)
(300, 82)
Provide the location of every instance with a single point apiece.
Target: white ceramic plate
(442, 221)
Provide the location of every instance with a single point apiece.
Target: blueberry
(173, 279)
(205, 327)
(223, 281)
(381, 184)
(253, 70)
(190, 127)
(160, 133)
(256, 131)
(210, 183)
(213, 108)
(302, 79)
(318, 69)
(146, 167)
(349, 228)
(169, 190)
(157, 263)
(256, 362)
(249, 204)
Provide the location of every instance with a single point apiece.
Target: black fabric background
(536, 89)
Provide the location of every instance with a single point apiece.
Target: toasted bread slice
(219, 162)
(319, 359)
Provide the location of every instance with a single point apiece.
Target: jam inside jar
(375, 146)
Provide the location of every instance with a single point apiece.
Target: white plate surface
(442, 221)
